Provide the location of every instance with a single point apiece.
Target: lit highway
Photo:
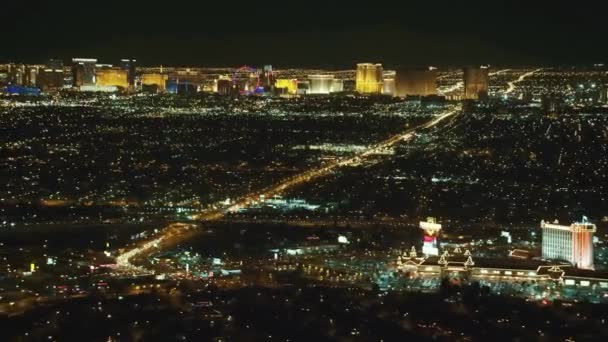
(460, 84)
(178, 232)
(513, 84)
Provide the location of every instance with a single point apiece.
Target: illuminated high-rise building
(31, 74)
(286, 85)
(83, 71)
(476, 81)
(320, 84)
(573, 243)
(107, 76)
(416, 82)
(337, 86)
(369, 78)
(267, 77)
(154, 82)
(17, 74)
(431, 229)
(50, 79)
(388, 83)
(129, 65)
(224, 86)
(303, 87)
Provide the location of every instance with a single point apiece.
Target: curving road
(513, 84)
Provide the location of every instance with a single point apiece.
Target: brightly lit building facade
(573, 243)
(337, 85)
(476, 80)
(388, 83)
(320, 84)
(130, 66)
(290, 85)
(112, 77)
(416, 82)
(157, 80)
(84, 71)
(369, 78)
(431, 229)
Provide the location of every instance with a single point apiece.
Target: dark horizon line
(333, 67)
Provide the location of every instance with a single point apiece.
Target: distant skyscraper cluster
(417, 82)
(87, 74)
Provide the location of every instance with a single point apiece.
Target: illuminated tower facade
(572, 243)
(416, 82)
(84, 71)
(369, 78)
(320, 84)
(476, 83)
(431, 229)
(112, 77)
(129, 65)
(388, 80)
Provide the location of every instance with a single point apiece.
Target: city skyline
(303, 171)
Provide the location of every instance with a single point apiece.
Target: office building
(31, 74)
(83, 71)
(573, 243)
(107, 76)
(179, 86)
(320, 84)
(369, 78)
(224, 86)
(476, 83)
(286, 85)
(388, 81)
(416, 82)
(303, 87)
(50, 79)
(267, 77)
(337, 86)
(129, 65)
(17, 74)
(154, 82)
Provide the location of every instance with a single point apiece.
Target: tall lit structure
(16, 74)
(129, 65)
(320, 84)
(267, 77)
(224, 86)
(289, 85)
(84, 71)
(431, 230)
(155, 81)
(476, 81)
(388, 83)
(112, 77)
(369, 78)
(51, 77)
(337, 85)
(573, 243)
(416, 82)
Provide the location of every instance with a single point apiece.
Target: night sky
(306, 33)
